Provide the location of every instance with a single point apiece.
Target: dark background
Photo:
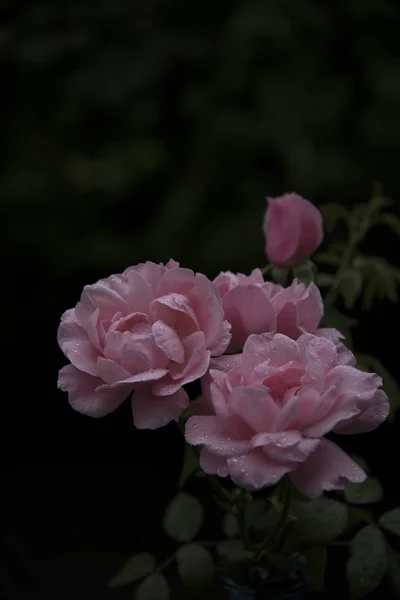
(140, 130)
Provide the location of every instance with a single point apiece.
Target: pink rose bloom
(150, 329)
(293, 229)
(252, 305)
(265, 413)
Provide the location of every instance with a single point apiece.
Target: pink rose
(293, 229)
(266, 411)
(252, 305)
(150, 329)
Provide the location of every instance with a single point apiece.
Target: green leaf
(391, 221)
(336, 319)
(259, 516)
(394, 571)
(367, 492)
(315, 567)
(359, 516)
(327, 258)
(190, 465)
(350, 286)
(230, 525)
(183, 517)
(135, 568)
(319, 521)
(391, 521)
(332, 213)
(305, 273)
(380, 276)
(232, 549)
(368, 561)
(325, 279)
(154, 587)
(195, 566)
(368, 363)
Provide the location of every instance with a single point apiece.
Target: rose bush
(151, 329)
(252, 305)
(266, 411)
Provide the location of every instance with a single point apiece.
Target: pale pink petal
(166, 386)
(73, 341)
(113, 375)
(310, 309)
(329, 333)
(151, 412)
(134, 289)
(134, 352)
(255, 351)
(254, 471)
(376, 412)
(249, 311)
(296, 411)
(84, 395)
(150, 271)
(218, 393)
(282, 350)
(328, 468)
(176, 312)
(282, 230)
(222, 340)
(111, 372)
(213, 464)
(216, 435)
(225, 281)
(355, 385)
(100, 296)
(167, 339)
(197, 360)
(201, 406)
(287, 321)
(207, 304)
(177, 281)
(254, 406)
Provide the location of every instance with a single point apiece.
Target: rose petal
(167, 339)
(151, 412)
(197, 360)
(213, 464)
(84, 395)
(73, 341)
(215, 435)
(328, 468)
(254, 406)
(369, 419)
(249, 311)
(254, 471)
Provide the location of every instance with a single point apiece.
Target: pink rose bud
(293, 229)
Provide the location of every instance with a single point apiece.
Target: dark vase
(291, 590)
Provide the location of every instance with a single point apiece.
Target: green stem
(345, 262)
(280, 526)
(244, 532)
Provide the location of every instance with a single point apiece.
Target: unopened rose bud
(293, 229)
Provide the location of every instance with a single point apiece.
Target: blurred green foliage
(145, 129)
